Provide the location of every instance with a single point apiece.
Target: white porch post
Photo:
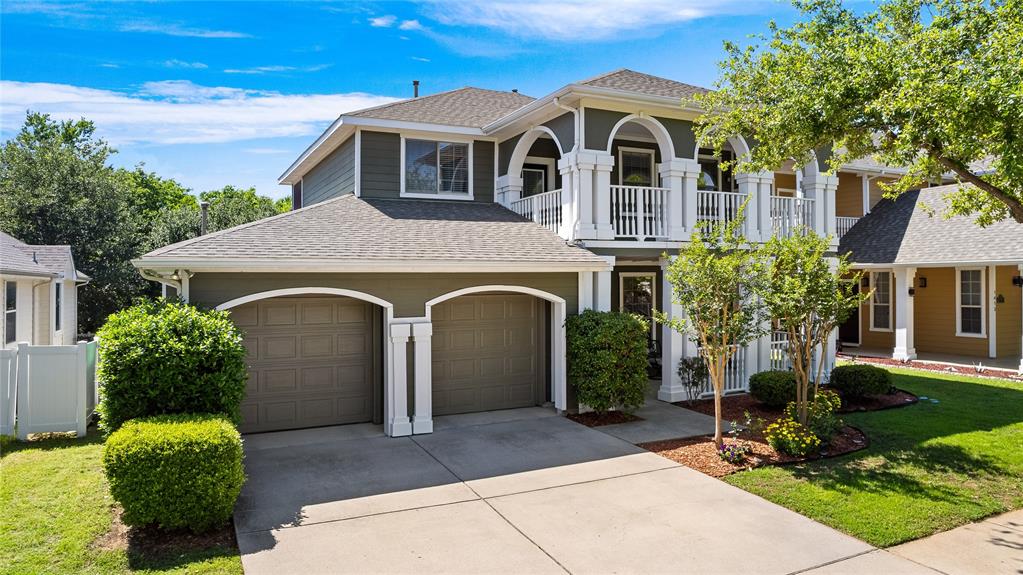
(582, 190)
(509, 189)
(690, 187)
(822, 188)
(673, 347)
(585, 291)
(865, 181)
(396, 420)
(992, 297)
(904, 346)
(673, 176)
(602, 289)
(766, 192)
(602, 166)
(749, 184)
(422, 334)
(569, 208)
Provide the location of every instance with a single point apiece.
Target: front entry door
(849, 332)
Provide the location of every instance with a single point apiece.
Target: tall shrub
(159, 357)
(607, 359)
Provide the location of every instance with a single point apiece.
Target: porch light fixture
(1017, 281)
(912, 292)
(865, 281)
(921, 282)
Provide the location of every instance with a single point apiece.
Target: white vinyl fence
(47, 388)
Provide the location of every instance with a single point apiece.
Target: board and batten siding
(408, 292)
(334, 176)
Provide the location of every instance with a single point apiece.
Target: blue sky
(230, 93)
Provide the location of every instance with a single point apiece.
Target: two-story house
(438, 244)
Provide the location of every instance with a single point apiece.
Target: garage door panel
(492, 309)
(492, 338)
(245, 316)
(310, 362)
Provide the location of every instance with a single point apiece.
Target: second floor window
(636, 167)
(712, 177)
(433, 168)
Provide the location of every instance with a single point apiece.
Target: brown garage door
(311, 362)
(487, 353)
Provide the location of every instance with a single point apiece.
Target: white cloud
(579, 20)
(109, 65)
(185, 65)
(410, 25)
(419, 59)
(266, 151)
(383, 21)
(276, 69)
(177, 30)
(180, 112)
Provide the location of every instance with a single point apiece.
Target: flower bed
(948, 368)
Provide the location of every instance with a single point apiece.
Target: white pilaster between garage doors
(396, 421)
(422, 334)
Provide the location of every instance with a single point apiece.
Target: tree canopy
(934, 85)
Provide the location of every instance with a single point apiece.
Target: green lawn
(930, 467)
(54, 505)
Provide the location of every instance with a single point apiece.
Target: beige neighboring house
(40, 293)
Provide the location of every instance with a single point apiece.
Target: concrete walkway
(993, 546)
(512, 492)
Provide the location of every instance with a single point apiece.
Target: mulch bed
(933, 366)
(898, 399)
(153, 543)
(594, 419)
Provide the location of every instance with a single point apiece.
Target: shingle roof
(470, 107)
(351, 229)
(912, 231)
(16, 258)
(632, 81)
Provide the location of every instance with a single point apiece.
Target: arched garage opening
(315, 357)
(496, 347)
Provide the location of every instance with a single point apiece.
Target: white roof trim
(291, 265)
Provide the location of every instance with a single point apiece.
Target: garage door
(311, 362)
(487, 353)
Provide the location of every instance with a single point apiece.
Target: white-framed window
(635, 167)
(534, 181)
(637, 293)
(970, 302)
(10, 312)
(712, 177)
(58, 295)
(436, 169)
(881, 301)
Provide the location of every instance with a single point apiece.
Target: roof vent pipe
(415, 88)
(515, 90)
(204, 209)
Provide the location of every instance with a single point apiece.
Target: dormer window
(436, 169)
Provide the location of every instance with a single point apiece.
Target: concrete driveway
(519, 491)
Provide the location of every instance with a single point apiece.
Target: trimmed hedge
(160, 357)
(175, 471)
(607, 359)
(860, 380)
(773, 388)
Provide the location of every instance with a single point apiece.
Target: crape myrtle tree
(715, 279)
(934, 85)
(809, 294)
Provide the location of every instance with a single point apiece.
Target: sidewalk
(993, 546)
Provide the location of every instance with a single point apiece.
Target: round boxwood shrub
(860, 380)
(607, 359)
(773, 388)
(175, 471)
(161, 357)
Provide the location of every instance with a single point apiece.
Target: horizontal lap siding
(849, 195)
(935, 312)
(483, 171)
(408, 292)
(332, 177)
(381, 165)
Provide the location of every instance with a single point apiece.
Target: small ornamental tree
(714, 279)
(809, 294)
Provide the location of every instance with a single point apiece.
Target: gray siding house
(438, 244)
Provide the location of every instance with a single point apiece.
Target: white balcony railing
(544, 209)
(790, 213)
(736, 378)
(639, 212)
(712, 206)
(844, 224)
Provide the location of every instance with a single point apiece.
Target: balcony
(843, 224)
(789, 214)
(639, 212)
(544, 209)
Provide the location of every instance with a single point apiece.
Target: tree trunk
(1015, 206)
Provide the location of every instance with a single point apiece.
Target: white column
(422, 334)
(396, 419)
(830, 200)
(766, 192)
(602, 288)
(904, 346)
(992, 326)
(559, 374)
(602, 166)
(865, 180)
(585, 291)
(582, 191)
(509, 189)
(569, 207)
(749, 184)
(673, 346)
(690, 189)
(673, 176)
(822, 188)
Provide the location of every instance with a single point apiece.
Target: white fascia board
(363, 266)
(938, 264)
(289, 176)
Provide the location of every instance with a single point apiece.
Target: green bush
(820, 414)
(789, 437)
(160, 357)
(860, 380)
(175, 471)
(607, 359)
(773, 388)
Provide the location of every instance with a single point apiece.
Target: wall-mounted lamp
(999, 298)
(912, 292)
(865, 281)
(921, 282)
(1017, 281)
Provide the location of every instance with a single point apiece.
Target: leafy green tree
(935, 85)
(56, 187)
(810, 294)
(152, 194)
(715, 279)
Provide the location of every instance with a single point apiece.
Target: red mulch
(733, 408)
(594, 419)
(933, 366)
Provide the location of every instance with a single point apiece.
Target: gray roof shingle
(631, 81)
(469, 107)
(912, 231)
(348, 229)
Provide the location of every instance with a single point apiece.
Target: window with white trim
(10, 312)
(436, 168)
(970, 319)
(712, 177)
(638, 295)
(533, 181)
(58, 294)
(635, 167)
(881, 301)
